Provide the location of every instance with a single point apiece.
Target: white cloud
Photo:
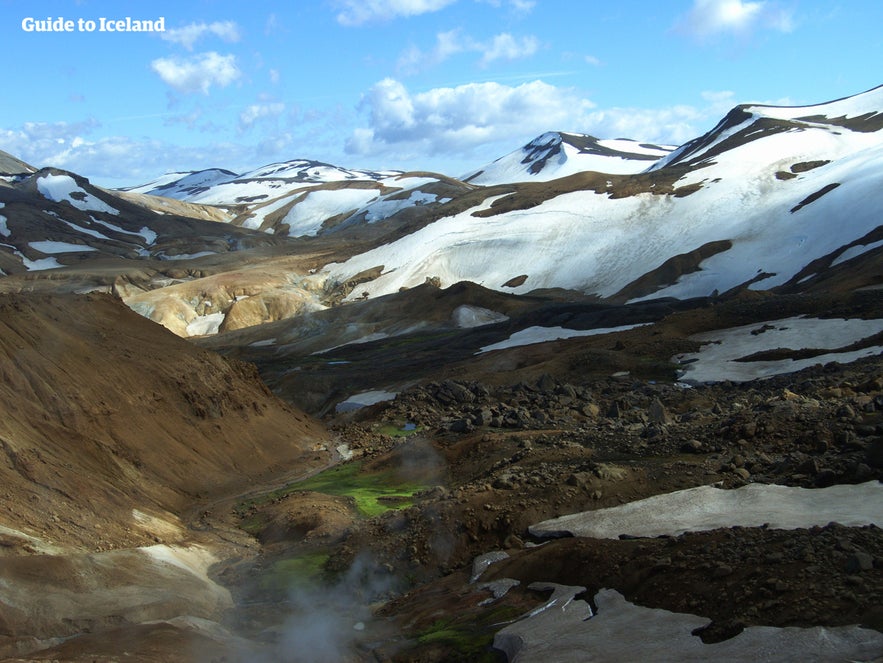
(711, 17)
(197, 73)
(358, 12)
(453, 42)
(257, 112)
(471, 121)
(446, 120)
(506, 47)
(190, 34)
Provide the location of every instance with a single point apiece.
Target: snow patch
(854, 251)
(85, 231)
(205, 324)
(47, 246)
(622, 631)
(532, 335)
(364, 399)
(716, 360)
(59, 188)
(307, 216)
(707, 508)
(467, 316)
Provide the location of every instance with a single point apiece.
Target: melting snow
(4, 229)
(85, 231)
(364, 399)
(383, 209)
(533, 335)
(58, 188)
(706, 508)
(205, 324)
(716, 361)
(854, 251)
(307, 216)
(467, 316)
(622, 631)
(145, 232)
(60, 247)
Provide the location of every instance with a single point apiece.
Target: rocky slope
(113, 431)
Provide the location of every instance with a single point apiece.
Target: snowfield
(533, 335)
(718, 358)
(567, 632)
(62, 188)
(706, 508)
(59, 247)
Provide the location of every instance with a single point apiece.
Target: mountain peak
(557, 154)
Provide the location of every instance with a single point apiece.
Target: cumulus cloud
(188, 35)
(503, 46)
(358, 12)
(450, 119)
(710, 17)
(466, 121)
(197, 73)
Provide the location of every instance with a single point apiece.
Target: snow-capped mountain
(52, 218)
(216, 186)
(296, 198)
(770, 196)
(558, 154)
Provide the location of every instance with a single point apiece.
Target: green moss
(295, 572)
(374, 493)
(467, 642)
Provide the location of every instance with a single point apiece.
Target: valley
(308, 413)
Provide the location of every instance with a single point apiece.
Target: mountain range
(583, 323)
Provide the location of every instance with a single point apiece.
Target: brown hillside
(103, 412)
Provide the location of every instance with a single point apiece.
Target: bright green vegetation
(399, 431)
(374, 493)
(467, 640)
(298, 572)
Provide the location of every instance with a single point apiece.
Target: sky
(438, 85)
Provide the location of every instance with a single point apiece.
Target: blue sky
(443, 85)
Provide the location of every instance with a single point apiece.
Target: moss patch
(299, 572)
(374, 492)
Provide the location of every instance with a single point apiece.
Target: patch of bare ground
(811, 198)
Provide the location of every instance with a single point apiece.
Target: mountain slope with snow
(559, 154)
(769, 197)
(52, 218)
(301, 197)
